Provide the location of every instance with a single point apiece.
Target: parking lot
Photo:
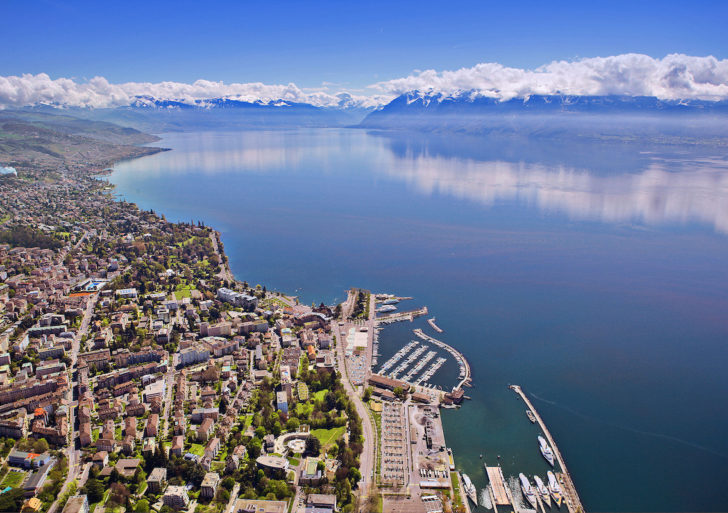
(394, 445)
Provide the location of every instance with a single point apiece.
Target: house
(28, 459)
(320, 503)
(127, 466)
(209, 485)
(157, 480)
(100, 459)
(311, 475)
(34, 483)
(152, 426)
(282, 401)
(212, 448)
(176, 497)
(76, 504)
(205, 429)
(177, 447)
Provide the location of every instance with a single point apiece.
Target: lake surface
(595, 275)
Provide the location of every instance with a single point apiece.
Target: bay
(591, 273)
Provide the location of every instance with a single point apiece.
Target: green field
(197, 449)
(13, 479)
(183, 291)
(328, 437)
(303, 409)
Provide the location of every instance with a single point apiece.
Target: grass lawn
(294, 462)
(328, 437)
(197, 449)
(319, 396)
(13, 479)
(183, 291)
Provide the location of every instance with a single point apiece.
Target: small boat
(555, 488)
(470, 490)
(481, 456)
(527, 490)
(531, 416)
(543, 492)
(546, 450)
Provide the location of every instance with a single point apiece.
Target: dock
(498, 486)
(401, 316)
(397, 357)
(573, 502)
(465, 374)
(434, 326)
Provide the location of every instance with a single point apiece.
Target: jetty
(397, 356)
(431, 371)
(434, 326)
(410, 359)
(465, 375)
(499, 490)
(401, 316)
(420, 365)
(573, 503)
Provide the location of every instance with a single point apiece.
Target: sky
(333, 45)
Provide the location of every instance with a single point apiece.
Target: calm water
(594, 275)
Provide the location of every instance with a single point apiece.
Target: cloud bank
(672, 77)
(675, 76)
(19, 91)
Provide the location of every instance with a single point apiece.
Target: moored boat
(555, 488)
(386, 308)
(527, 490)
(470, 490)
(531, 416)
(546, 450)
(543, 492)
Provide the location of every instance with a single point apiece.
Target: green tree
(142, 506)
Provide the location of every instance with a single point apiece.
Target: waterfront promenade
(573, 503)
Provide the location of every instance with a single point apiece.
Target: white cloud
(675, 76)
(17, 91)
(672, 77)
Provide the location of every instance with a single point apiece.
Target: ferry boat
(527, 490)
(386, 308)
(546, 450)
(391, 301)
(543, 492)
(531, 416)
(555, 488)
(469, 488)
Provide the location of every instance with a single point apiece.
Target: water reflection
(698, 191)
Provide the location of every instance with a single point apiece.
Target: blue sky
(353, 45)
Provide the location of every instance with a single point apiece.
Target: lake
(593, 274)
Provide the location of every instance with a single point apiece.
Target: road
(366, 466)
(72, 452)
(224, 273)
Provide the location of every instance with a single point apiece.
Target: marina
(431, 371)
(398, 356)
(420, 365)
(465, 375)
(498, 487)
(573, 503)
(410, 359)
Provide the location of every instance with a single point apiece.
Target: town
(137, 374)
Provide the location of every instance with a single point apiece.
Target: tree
(367, 394)
(40, 446)
(313, 446)
(142, 506)
(94, 489)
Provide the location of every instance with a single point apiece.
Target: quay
(434, 326)
(459, 357)
(401, 316)
(573, 503)
(498, 487)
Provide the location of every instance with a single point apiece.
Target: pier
(411, 358)
(434, 326)
(498, 487)
(573, 503)
(465, 374)
(401, 316)
(397, 357)
(420, 365)
(431, 371)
